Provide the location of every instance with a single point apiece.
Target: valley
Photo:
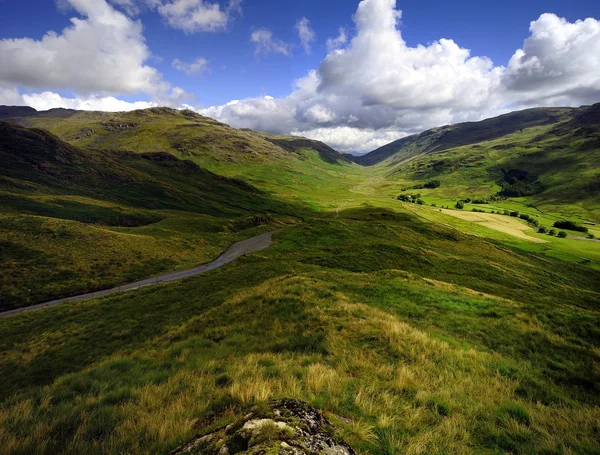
(411, 295)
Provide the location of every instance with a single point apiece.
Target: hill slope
(549, 158)
(451, 136)
(292, 167)
(74, 220)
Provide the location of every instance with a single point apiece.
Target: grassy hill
(558, 150)
(411, 337)
(75, 220)
(447, 137)
(283, 165)
(413, 329)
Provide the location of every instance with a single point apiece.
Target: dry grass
(500, 223)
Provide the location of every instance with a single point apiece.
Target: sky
(354, 74)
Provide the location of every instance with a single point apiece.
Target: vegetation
(547, 158)
(433, 184)
(571, 226)
(416, 330)
(413, 330)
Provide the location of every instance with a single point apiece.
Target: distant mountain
(447, 137)
(551, 157)
(34, 161)
(182, 133)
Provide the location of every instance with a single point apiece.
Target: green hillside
(558, 150)
(75, 220)
(413, 328)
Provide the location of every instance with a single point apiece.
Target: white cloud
(376, 87)
(104, 51)
(265, 43)
(337, 42)
(372, 87)
(197, 66)
(319, 114)
(306, 34)
(129, 6)
(352, 139)
(559, 63)
(49, 100)
(194, 16)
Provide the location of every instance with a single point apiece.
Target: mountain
(162, 129)
(447, 137)
(550, 157)
(75, 219)
(291, 167)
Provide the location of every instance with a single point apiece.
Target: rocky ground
(286, 427)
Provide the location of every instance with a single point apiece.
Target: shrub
(514, 214)
(433, 184)
(562, 234)
(420, 202)
(506, 212)
(571, 226)
(516, 183)
(552, 232)
(542, 230)
(591, 236)
(460, 205)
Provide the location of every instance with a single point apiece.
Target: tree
(433, 184)
(460, 205)
(571, 226)
(552, 232)
(562, 234)
(542, 230)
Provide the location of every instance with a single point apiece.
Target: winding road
(253, 245)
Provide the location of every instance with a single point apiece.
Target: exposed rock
(287, 427)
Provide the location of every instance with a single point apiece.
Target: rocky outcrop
(287, 427)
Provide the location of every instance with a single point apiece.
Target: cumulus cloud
(306, 34)
(375, 87)
(265, 43)
(378, 85)
(370, 89)
(197, 66)
(337, 42)
(50, 100)
(559, 62)
(103, 51)
(194, 16)
(352, 139)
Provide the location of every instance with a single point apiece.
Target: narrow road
(258, 243)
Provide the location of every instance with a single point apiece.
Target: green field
(414, 331)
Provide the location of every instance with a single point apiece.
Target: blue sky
(235, 71)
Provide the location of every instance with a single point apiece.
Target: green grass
(414, 331)
(417, 339)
